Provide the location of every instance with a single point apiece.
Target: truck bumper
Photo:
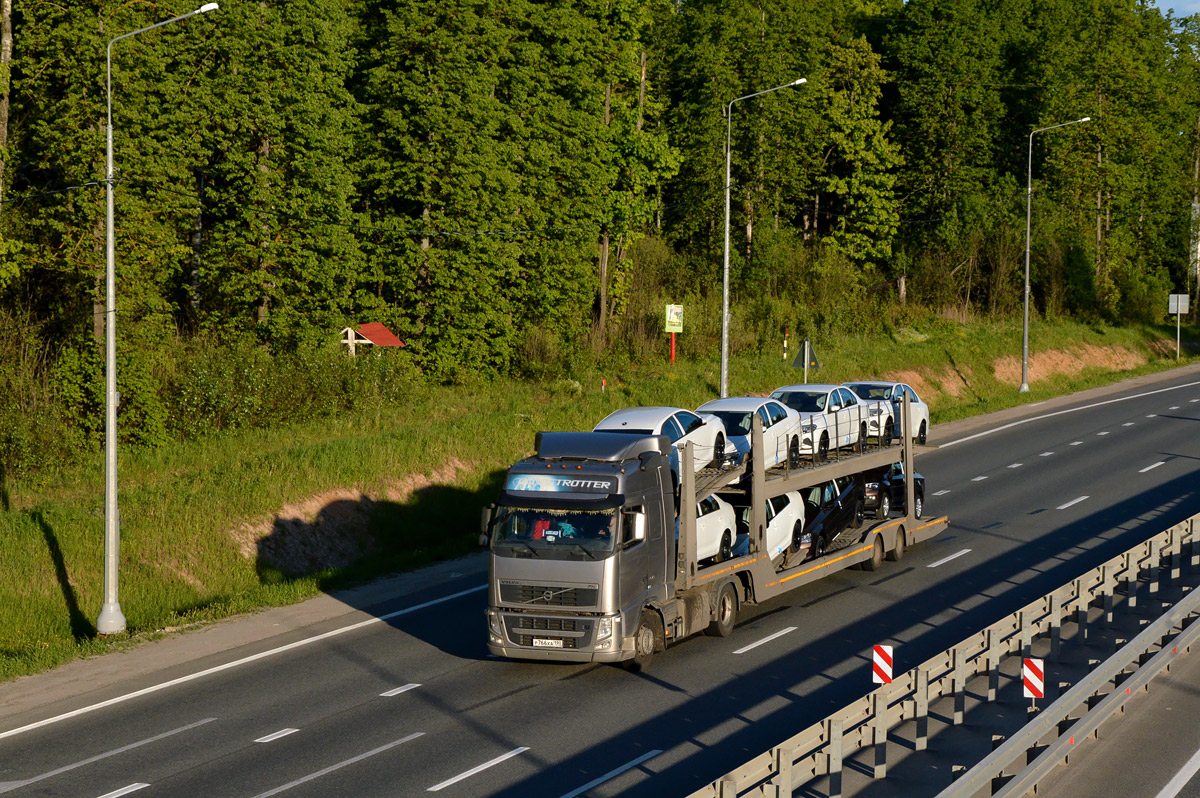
(556, 638)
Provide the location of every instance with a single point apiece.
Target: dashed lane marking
(945, 560)
(1072, 503)
(766, 639)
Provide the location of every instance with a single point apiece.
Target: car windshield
(802, 401)
(865, 391)
(737, 422)
(593, 530)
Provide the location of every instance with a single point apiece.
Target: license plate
(547, 642)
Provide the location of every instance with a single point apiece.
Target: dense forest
(513, 186)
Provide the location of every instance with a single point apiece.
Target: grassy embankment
(417, 476)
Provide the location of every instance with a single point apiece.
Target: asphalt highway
(404, 700)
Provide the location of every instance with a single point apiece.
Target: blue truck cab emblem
(546, 483)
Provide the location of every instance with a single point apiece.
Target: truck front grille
(575, 633)
(549, 595)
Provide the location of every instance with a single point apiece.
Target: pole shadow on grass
(350, 541)
(81, 627)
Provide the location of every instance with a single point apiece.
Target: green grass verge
(186, 508)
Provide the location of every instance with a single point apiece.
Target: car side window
(765, 416)
(776, 412)
(770, 512)
(848, 398)
(672, 430)
(912, 395)
(830, 493)
(689, 421)
(780, 503)
(707, 505)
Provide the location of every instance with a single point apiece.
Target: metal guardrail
(821, 749)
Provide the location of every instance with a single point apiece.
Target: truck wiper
(583, 548)
(528, 546)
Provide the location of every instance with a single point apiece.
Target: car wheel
(725, 613)
(645, 641)
(818, 548)
(823, 448)
(889, 432)
(859, 514)
(897, 552)
(885, 505)
(726, 547)
(876, 560)
(918, 506)
(794, 453)
(797, 534)
(921, 434)
(862, 437)
(719, 450)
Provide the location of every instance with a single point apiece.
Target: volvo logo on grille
(549, 594)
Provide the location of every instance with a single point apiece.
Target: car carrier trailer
(593, 544)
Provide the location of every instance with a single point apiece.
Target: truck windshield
(555, 530)
(802, 401)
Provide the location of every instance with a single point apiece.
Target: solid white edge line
(1183, 776)
(1063, 412)
(478, 768)
(12, 785)
(1152, 467)
(612, 774)
(243, 661)
(399, 690)
(766, 639)
(1072, 503)
(125, 790)
(338, 766)
(945, 560)
(276, 735)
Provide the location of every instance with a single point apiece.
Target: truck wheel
(889, 432)
(918, 505)
(794, 453)
(885, 505)
(823, 448)
(726, 613)
(876, 561)
(897, 553)
(862, 437)
(645, 641)
(921, 435)
(726, 547)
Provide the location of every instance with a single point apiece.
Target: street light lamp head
(204, 9)
(1086, 119)
(799, 81)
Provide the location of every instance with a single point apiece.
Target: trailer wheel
(645, 641)
(876, 561)
(726, 547)
(897, 553)
(726, 613)
(885, 505)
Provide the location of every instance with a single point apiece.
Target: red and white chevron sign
(1034, 676)
(882, 667)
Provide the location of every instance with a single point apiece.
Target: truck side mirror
(485, 524)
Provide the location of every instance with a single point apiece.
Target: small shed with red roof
(369, 334)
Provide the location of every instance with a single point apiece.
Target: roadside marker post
(1033, 674)
(881, 669)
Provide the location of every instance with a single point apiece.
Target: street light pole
(725, 270)
(1028, 204)
(112, 620)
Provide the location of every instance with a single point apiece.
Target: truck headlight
(494, 625)
(604, 628)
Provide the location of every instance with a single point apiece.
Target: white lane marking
(339, 765)
(478, 768)
(1173, 407)
(1075, 443)
(1127, 424)
(978, 479)
(1072, 502)
(276, 735)
(12, 785)
(1016, 465)
(941, 493)
(124, 790)
(1181, 779)
(1152, 415)
(243, 661)
(1045, 454)
(1152, 467)
(945, 560)
(399, 690)
(1193, 401)
(766, 639)
(1102, 433)
(1019, 422)
(612, 774)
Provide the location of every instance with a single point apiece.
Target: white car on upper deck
(894, 392)
(781, 426)
(831, 417)
(680, 426)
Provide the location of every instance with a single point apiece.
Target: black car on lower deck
(831, 508)
(884, 491)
